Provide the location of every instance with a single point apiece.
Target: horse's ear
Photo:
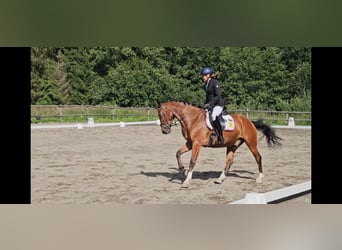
(158, 102)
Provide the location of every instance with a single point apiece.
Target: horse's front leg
(185, 148)
(195, 151)
(229, 161)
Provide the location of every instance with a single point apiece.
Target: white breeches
(216, 111)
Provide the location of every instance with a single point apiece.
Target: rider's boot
(218, 131)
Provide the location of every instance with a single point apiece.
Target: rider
(214, 99)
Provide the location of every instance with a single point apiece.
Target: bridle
(164, 121)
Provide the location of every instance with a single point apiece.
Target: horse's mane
(195, 105)
(187, 104)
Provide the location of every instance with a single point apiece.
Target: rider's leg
(217, 110)
(218, 130)
(217, 126)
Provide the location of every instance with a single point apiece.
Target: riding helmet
(206, 70)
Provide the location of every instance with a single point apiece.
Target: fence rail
(276, 196)
(114, 113)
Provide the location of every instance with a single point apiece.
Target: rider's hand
(207, 106)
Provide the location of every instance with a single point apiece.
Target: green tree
(273, 78)
(45, 88)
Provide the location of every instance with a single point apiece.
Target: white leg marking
(186, 183)
(221, 178)
(260, 177)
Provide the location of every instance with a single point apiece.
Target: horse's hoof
(185, 185)
(218, 181)
(258, 180)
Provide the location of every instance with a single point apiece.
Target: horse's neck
(178, 114)
(186, 116)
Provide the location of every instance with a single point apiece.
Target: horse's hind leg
(185, 148)
(229, 162)
(257, 157)
(254, 149)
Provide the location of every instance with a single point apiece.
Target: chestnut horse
(197, 135)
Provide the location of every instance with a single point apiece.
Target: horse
(197, 135)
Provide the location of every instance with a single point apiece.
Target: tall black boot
(218, 130)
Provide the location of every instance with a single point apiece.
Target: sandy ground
(137, 165)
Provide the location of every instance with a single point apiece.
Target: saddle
(227, 122)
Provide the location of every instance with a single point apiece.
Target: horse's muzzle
(166, 130)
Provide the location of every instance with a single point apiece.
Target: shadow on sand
(204, 175)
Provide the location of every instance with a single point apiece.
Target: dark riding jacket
(213, 93)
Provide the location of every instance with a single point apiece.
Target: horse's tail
(271, 137)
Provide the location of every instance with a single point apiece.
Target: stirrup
(220, 140)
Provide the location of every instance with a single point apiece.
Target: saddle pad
(230, 124)
(229, 121)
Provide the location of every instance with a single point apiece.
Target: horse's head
(166, 118)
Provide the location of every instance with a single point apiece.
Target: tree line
(268, 78)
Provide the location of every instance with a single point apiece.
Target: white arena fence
(275, 196)
(92, 124)
(63, 113)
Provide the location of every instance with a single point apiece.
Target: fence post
(60, 112)
(287, 118)
(291, 122)
(91, 122)
(113, 114)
